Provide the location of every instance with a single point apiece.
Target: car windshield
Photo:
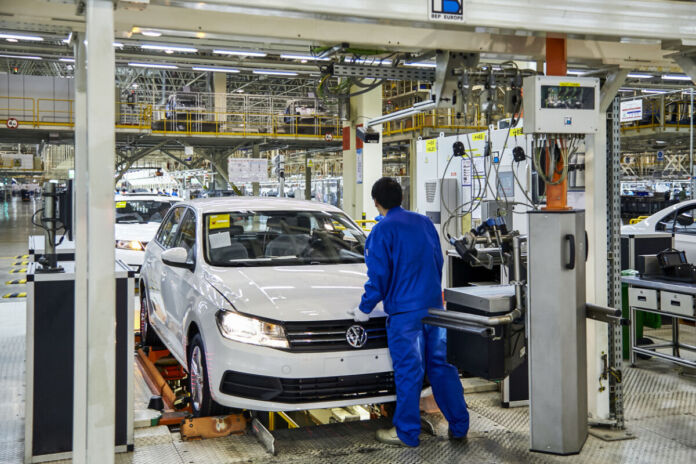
(141, 211)
(281, 237)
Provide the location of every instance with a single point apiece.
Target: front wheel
(202, 402)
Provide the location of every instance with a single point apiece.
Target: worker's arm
(378, 270)
(439, 260)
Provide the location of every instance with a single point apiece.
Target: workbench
(666, 298)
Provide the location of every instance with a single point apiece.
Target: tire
(148, 337)
(202, 404)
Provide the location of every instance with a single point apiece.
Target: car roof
(225, 204)
(137, 197)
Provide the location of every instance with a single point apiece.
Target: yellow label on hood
(120, 204)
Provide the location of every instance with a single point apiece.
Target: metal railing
(156, 119)
(436, 119)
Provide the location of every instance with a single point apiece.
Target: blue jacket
(404, 264)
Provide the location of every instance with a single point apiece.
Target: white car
(137, 219)
(679, 219)
(253, 296)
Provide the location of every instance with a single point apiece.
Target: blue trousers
(416, 349)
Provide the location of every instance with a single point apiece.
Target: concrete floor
(660, 410)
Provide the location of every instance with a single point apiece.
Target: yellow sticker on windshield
(120, 204)
(219, 221)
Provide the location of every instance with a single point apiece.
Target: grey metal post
(691, 144)
(101, 287)
(615, 335)
(556, 323)
(308, 178)
(80, 190)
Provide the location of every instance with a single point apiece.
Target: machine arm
(605, 314)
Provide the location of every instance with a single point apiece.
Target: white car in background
(679, 219)
(253, 296)
(137, 219)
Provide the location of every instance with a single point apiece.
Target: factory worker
(404, 269)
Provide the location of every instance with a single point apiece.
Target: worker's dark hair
(387, 192)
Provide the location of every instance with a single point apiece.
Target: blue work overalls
(404, 269)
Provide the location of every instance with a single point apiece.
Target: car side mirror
(177, 257)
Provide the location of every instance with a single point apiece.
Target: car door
(684, 228)
(154, 270)
(178, 283)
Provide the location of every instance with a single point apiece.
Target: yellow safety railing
(429, 120)
(54, 112)
(148, 117)
(23, 109)
(363, 223)
(676, 116)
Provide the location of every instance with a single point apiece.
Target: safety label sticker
(219, 221)
(120, 204)
(431, 145)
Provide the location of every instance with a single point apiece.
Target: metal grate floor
(660, 410)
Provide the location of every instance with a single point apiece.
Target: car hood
(141, 232)
(293, 293)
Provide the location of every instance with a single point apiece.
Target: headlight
(129, 245)
(245, 329)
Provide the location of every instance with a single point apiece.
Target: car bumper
(265, 379)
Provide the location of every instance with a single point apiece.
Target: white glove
(358, 316)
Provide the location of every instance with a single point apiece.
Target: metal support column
(614, 260)
(80, 190)
(101, 291)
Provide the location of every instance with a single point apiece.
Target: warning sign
(431, 146)
(631, 110)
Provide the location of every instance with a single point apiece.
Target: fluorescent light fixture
(211, 69)
(174, 48)
(32, 38)
(626, 90)
(151, 33)
(118, 44)
(577, 72)
(421, 64)
(12, 40)
(67, 60)
(290, 56)
(152, 65)
(22, 57)
(639, 76)
(239, 90)
(676, 77)
(275, 73)
(654, 91)
(239, 53)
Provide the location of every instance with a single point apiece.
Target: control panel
(561, 105)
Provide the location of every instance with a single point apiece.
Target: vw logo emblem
(356, 336)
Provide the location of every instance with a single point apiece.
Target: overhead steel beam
(129, 161)
(504, 27)
(611, 87)
(688, 64)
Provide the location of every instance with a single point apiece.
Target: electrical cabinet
(561, 105)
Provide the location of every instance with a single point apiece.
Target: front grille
(331, 335)
(308, 390)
